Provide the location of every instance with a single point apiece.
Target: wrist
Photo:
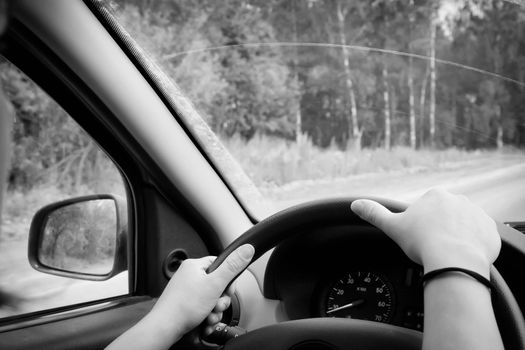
(436, 274)
(164, 330)
(456, 255)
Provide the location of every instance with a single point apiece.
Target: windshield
(323, 98)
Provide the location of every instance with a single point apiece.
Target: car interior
(178, 204)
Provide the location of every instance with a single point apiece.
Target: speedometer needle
(347, 306)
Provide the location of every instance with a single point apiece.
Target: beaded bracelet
(430, 275)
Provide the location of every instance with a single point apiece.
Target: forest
(314, 80)
(355, 74)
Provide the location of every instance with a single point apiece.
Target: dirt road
(497, 186)
(36, 291)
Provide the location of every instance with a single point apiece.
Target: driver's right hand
(438, 230)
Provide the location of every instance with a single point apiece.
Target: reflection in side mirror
(80, 238)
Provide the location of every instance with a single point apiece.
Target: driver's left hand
(192, 295)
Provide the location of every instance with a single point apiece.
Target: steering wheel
(332, 333)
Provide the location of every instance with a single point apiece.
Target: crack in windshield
(339, 46)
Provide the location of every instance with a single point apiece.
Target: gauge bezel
(327, 284)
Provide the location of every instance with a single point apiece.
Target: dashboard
(348, 272)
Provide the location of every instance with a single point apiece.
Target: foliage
(52, 157)
(286, 161)
(238, 90)
(49, 146)
(236, 61)
(216, 52)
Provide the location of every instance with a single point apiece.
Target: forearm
(441, 230)
(459, 315)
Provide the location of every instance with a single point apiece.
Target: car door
(68, 53)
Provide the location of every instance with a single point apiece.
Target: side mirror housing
(83, 238)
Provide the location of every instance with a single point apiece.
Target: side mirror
(83, 238)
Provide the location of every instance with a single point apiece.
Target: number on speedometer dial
(363, 295)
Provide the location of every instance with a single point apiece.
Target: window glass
(52, 159)
(322, 98)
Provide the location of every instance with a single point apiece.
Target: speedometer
(361, 294)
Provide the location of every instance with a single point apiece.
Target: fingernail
(246, 251)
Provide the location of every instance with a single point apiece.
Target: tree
(490, 34)
(411, 97)
(432, 72)
(357, 133)
(367, 87)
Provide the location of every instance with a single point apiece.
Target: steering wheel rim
(316, 214)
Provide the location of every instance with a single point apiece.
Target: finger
(208, 330)
(214, 318)
(230, 291)
(211, 328)
(372, 212)
(205, 261)
(235, 263)
(222, 304)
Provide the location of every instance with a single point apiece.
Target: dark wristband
(430, 275)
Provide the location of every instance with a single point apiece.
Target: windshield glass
(323, 98)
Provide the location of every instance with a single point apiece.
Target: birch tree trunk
(298, 116)
(386, 101)
(411, 99)
(422, 104)
(499, 128)
(499, 136)
(353, 128)
(432, 109)
(498, 68)
(411, 105)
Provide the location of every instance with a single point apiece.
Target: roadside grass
(271, 161)
(23, 200)
(20, 206)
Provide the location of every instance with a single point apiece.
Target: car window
(52, 159)
(323, 98)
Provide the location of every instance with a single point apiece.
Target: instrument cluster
(358, 274)
(390, 296)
